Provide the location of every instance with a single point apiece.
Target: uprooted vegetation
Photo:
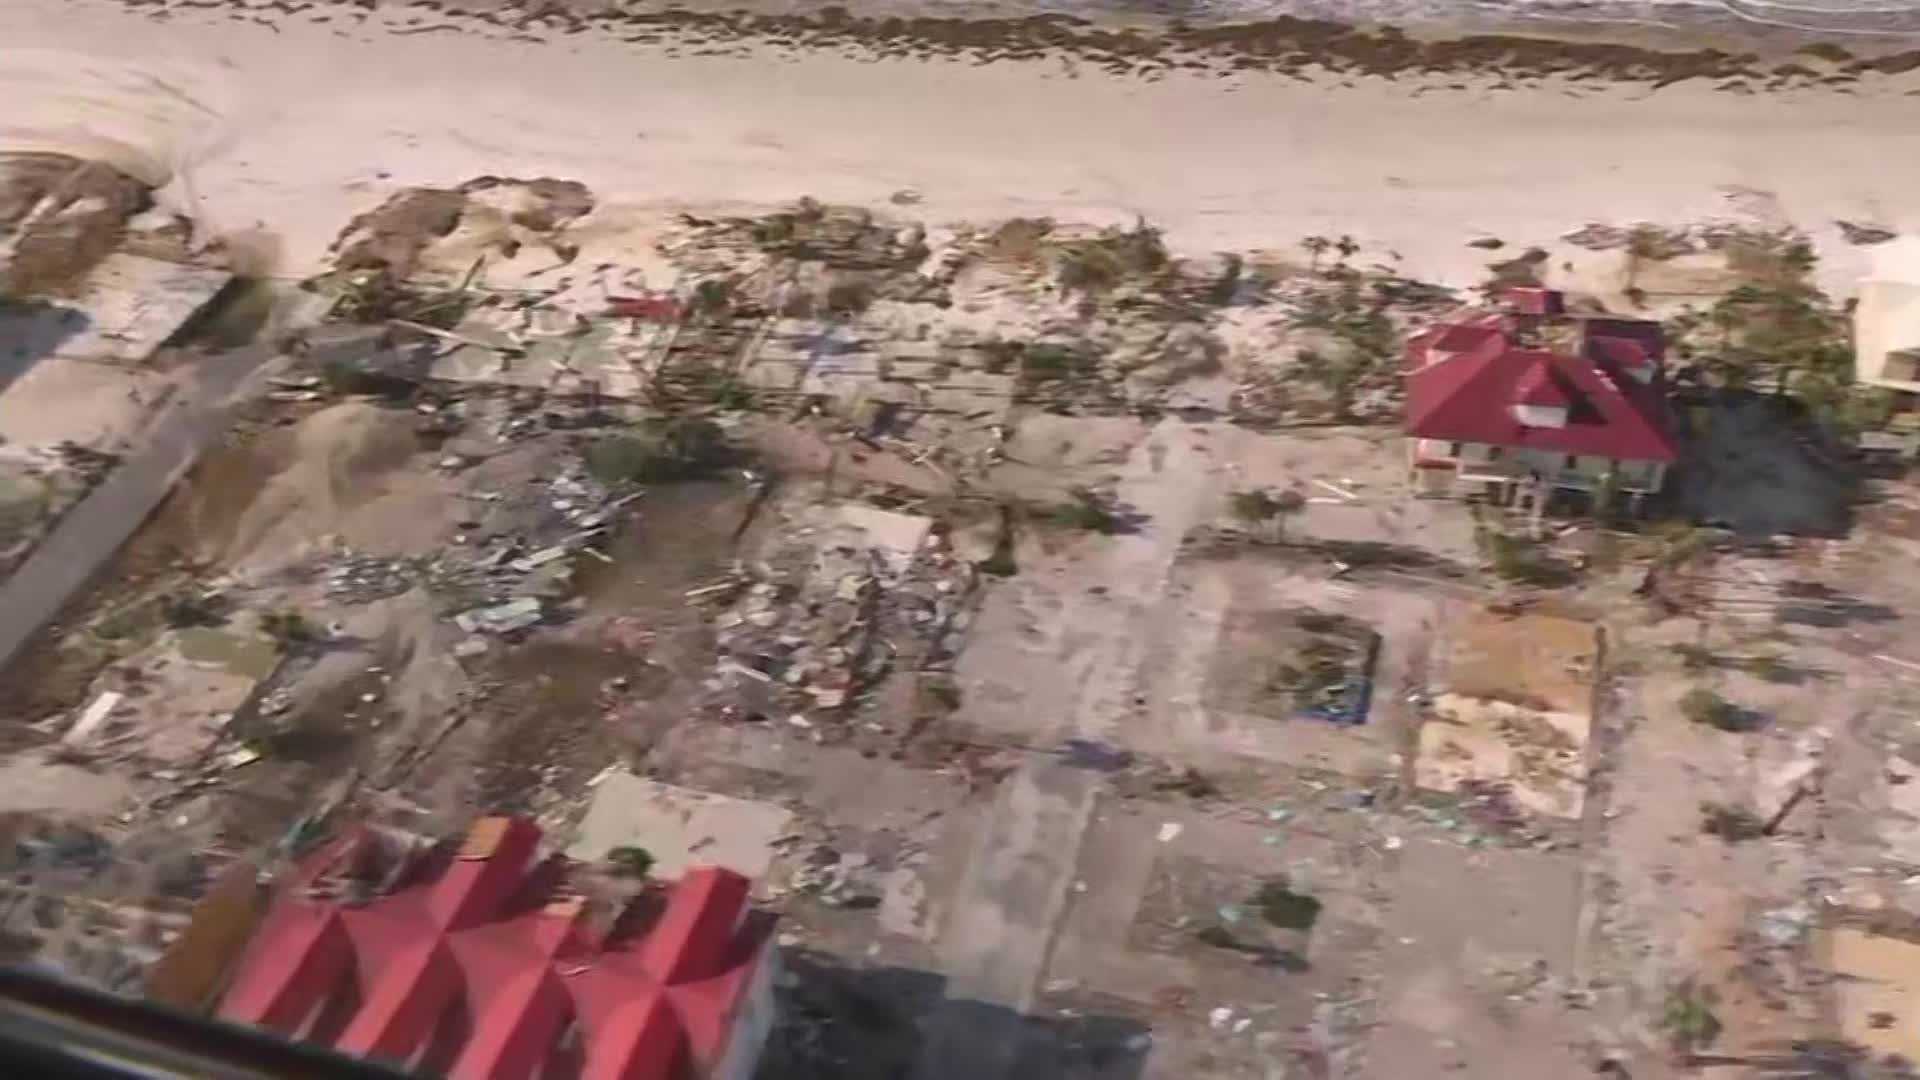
(390, 262)
(1078, 318)
(1522, 559)
(1708, 709)
(1101, 262)
(1733, 824)
(669, 450)
(1344, 327)
(1266, 512)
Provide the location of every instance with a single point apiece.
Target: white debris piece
(1169, 831)
(501, 618)
(539, 558)
(95, 715)
(897, 536)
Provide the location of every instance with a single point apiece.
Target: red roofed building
(476, 961)
(1530, 398)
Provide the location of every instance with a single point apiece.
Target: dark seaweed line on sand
(1284, 45)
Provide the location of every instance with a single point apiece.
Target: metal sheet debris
(128, 306)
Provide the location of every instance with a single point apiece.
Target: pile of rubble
(495, 581)
(848, 601)
(844, 237)
(501, 583)
(1649, 240)
(356, 578)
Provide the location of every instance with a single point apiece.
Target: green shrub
(1688, 1017)
(1703, 706)
(1730, 823)
(675, 450)
(1280, 905)
(630, 861)
(288, 629)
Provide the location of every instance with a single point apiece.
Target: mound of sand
(337, 460)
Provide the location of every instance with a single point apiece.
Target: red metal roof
(1611, 411)
(1537, 386)
(475, 963)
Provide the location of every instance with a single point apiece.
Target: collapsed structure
(480, 960)
(1527, 399)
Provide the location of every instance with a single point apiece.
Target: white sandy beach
(290, 129)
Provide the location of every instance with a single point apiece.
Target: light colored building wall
(1495, 464)
(752, 1021)
(1887, 318)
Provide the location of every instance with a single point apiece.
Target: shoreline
(1743, 45)
(276, 135)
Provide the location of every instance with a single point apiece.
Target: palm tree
(1316, 246)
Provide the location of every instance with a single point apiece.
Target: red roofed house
(1530, 398)
(476, 961)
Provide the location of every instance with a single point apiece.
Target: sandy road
(288, 129)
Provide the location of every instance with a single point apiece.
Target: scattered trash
(1170, 831)
(354, 578)
(838, 879)
(1219, 1018)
